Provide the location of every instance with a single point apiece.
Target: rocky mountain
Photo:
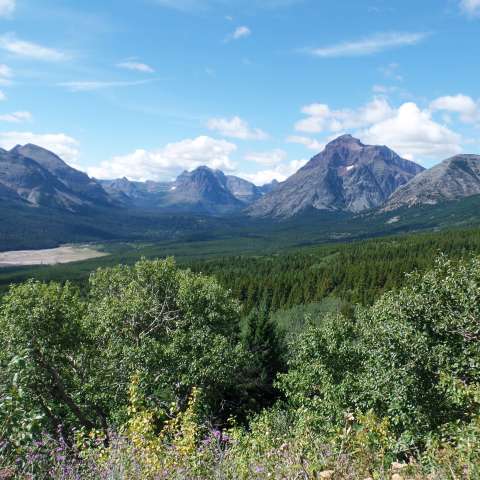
(128, 193)
(77, 182)
(202, 190)
(347, 176)
(454, 178)
(25, 180)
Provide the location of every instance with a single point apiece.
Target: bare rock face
(346, 176)
(75, 181)
(455, 178)
(201, 190)
(23, 179)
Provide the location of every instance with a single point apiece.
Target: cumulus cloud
(369, 45)
(168, 161)
(310, 143)
(408, 129)
(136, 66)
(414, 134)
(470, 7)
(320, 117)
(279, 172)
(7, 7)
(15, 46)
(236, 127)
(63, 145)
(16, 117)
(270, 158)
(465, 106)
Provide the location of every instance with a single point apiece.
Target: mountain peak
(346, 176)
(345, 140)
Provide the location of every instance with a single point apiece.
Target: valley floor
(51, 256)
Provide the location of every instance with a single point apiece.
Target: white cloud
(241, 32)
(7, 7)
(236, 127)
(409, 130)
(391, 71)
(470, 7)
(6, 74)
(279, 173)
(201, 5)
(16, 117)
(369, 45)
(464, 105)
(413, 133)
(90, 85)
(2, 96)
(384, 89)
(11, 44)
(167, 162)
(310, 143)
(270, 158)
(321, 118)
(136, 66)
(63, 145)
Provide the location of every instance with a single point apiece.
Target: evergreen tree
(261, 339)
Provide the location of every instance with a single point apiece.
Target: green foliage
(174, 328)
(262, 341)
(66, 361)
(44, 355)
(411, 358)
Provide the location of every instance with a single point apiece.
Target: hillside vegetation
(153, 374)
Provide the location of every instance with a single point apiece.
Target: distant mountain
(203, 190)
(75, 181)
(24, 179)
(347, 176)
(455, 178)
(137, 194)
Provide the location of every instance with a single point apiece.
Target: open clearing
(50, 256)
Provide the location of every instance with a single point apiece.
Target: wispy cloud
(7, 7)
(91, 85)
(241, 32)
(2, 96)
(236, 127)
(6, 75)
(470, 7)
(201, 5)
(15, 46)
(16, 117)
(136, 66)
(369, 45)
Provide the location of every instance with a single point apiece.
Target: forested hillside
(155, 372)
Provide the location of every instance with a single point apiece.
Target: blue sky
(148, 88)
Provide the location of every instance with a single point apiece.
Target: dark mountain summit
(454, 178)
(77, 182)
(37, 177)
(202, 190)
(346, 176)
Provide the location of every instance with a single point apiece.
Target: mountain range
(347, 178)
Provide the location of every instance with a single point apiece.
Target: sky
(148, 88)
